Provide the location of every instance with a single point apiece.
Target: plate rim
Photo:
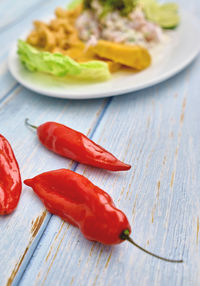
(149, 83)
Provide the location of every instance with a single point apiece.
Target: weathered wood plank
(20, 232)
(160, 191)
(157, 131)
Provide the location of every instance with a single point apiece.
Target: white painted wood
(157, 130)
(20, 231)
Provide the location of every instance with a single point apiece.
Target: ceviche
(93, 38)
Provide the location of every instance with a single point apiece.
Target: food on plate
(59, 34)
(10, 178)
(74, 145)
(94, 38)
(131, 22)
(60, 65)
(123, 54)
(79, 202)
(165, 15)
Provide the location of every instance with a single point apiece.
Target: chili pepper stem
(28, 124)
(125, 236)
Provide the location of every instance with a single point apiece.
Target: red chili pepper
(76, 200)
(10, 179)
(76, 146)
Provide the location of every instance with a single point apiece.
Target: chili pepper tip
(125, 236)
(28, 182)
(28, 124)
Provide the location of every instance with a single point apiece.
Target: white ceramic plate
(176, 55)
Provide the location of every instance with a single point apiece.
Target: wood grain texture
(20, 232)
(156, 130)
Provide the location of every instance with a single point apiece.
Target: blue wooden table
(156, 130)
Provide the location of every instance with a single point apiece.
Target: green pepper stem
(30, 125)
(125, 236)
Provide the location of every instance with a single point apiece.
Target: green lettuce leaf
(94, 70)
(60, 65)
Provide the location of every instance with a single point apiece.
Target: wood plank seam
(22, 269)
(9, 93)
